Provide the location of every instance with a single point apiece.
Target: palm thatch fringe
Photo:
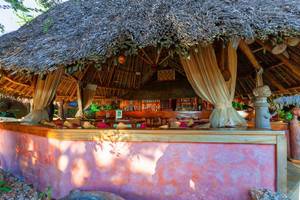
(97, 29)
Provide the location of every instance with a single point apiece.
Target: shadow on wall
(144, 170)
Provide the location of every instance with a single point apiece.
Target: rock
(91, 195)
(19, 190)
(265, 194)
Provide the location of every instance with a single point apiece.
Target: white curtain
(205, 77)
(85, 98)
(44, 93)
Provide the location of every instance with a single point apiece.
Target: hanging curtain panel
(44, 93)
(85, 98)
(205, 77)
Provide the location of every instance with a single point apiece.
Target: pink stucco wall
(141, 171)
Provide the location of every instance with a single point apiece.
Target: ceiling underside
(281, 73)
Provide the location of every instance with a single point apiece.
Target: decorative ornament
(279, 48)
(292, 41)
(121, 59)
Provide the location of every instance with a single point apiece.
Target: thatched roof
(96, 29)
(281, 73)
(81, 35)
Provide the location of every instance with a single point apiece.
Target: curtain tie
(223, 105)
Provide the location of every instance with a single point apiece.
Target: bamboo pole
(15, 82)
(248, 53)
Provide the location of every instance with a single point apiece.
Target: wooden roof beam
(251, 57)
(294, 67)
(114, 88)
(274, 83)
(289, 90)
(248, 53)
(15, 82)
(275, 66)
(257, 50)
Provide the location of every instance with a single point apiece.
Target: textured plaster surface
(148, 171)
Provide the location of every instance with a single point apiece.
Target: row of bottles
(181, 104)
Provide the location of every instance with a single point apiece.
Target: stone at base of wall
(265, 194)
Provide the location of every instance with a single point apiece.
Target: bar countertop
(225, 135)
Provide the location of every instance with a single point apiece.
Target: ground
(18, 190)
(294, 181)
(22, 191)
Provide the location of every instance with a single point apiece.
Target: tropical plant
(239, 106)
(1, 28)
(94, 108)
(285, 113)
(46, 195)
(283, 106)
(4, 187)
(25, 13)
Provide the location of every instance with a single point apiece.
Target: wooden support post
(248, 53)
(79, 100)
(51, 110)
(262, 115)
(261, 92)
(61, 112)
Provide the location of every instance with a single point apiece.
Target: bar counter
(148, 164)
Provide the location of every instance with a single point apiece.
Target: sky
(8, 18)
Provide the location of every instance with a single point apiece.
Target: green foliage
(1, 28)
(283, 108)
(48, 23)
(74, 68)
(94, 108)
(48, 3)
(4, 187)
(17, 5)
(239, 106)
(285, 114)
(46, 195)
(108, 107)
(26, 14)
(24, 17)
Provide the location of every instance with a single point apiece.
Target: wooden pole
(51, 110)
(79, 99)
(61, 112)
(248, 53)
(261, 91)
